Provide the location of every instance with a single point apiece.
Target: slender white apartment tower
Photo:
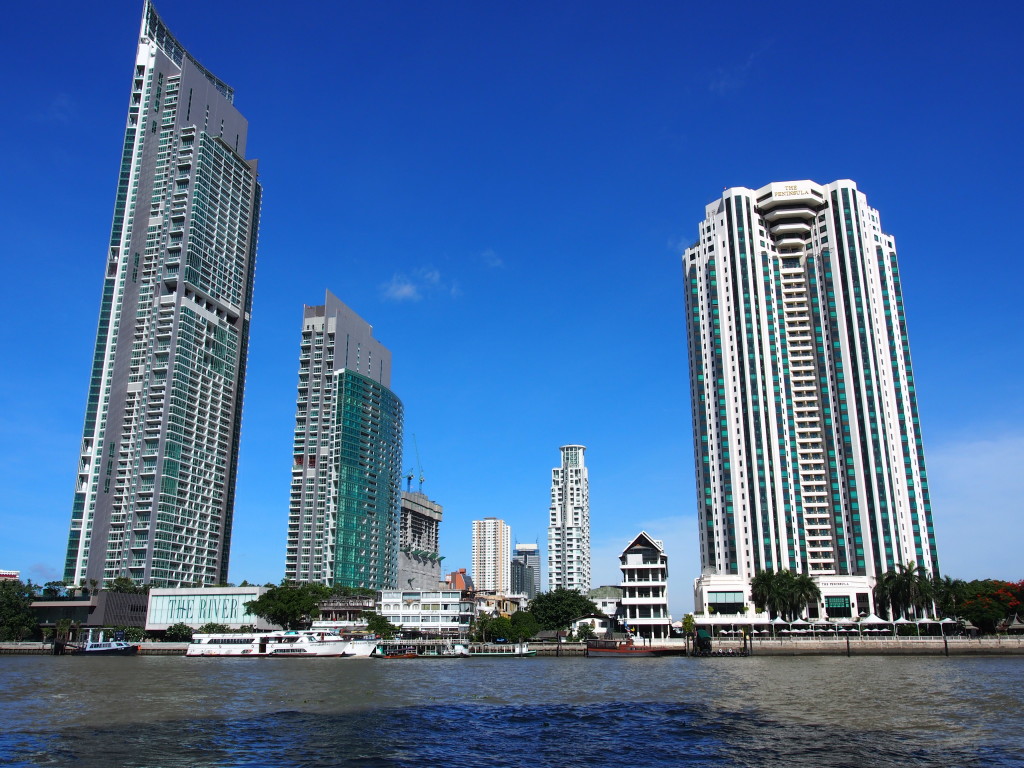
(155, 492)
(569, 523)
(807, 439)
(492, 556)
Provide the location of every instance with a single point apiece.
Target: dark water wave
(472, 736)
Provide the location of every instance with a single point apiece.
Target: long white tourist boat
(282, 644)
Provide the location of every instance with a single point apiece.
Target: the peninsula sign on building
(198, 606)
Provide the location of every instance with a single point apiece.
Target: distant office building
(13, 575)
(155, 492)
(569, 523)
(460, 580)
(644, 604)
(518, 574)
(527, 557)
(492, 556)
(419, 558)
(343, 523)
(807, 440)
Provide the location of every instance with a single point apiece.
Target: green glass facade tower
(343, 525)
(154, 497)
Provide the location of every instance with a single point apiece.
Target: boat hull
(619, 650)
(131, 650)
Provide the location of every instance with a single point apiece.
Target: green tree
(783, 593)
(213, 628)
(343, 591)
(585, 632)
(802, 591)
(560, 607)
(764, 591)
(131, 634)
(906, 589)
(500, 628)
(54, 590)
(948, 594)
(524, 626)
(989, 601)
(380, 626)
(124, 585)
(292, 606)
(17, 620)
(178, 633)
(689, 629)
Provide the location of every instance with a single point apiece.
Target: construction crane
(419, 466)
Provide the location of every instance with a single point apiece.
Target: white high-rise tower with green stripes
(806, 432)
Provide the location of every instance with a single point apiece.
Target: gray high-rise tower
(156, 477)
(806, 431)
(343, 520)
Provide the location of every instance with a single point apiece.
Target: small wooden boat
(394, 652)
(628, 649)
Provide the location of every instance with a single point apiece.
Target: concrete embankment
(901, 646)
(45, 649)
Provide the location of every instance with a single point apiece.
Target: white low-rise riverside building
(446, 613)
(644, 606)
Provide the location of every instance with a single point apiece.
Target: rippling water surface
(168, 711)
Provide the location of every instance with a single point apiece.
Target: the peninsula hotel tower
(343, 519)
(155, 485)
(806, 433)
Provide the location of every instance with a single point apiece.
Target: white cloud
(977, 493)
(61, 109)
(491, 259)
(419, 284)
(400, 288)
(727, 79)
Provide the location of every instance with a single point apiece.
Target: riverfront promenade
(999, 645)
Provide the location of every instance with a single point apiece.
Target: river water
(172, 711)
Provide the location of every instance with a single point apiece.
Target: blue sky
(504, 190)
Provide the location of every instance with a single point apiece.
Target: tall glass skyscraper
(343, 522)
(806, 432)
(155, 491)
(528, 556)
(569, 522)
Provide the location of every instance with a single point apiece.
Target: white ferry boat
(289, 644)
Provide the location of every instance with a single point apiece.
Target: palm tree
(904, 589)
(803, 590)
(764, 593)
(784, 593)
(946, 592)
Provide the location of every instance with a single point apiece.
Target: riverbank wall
(898, 646)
